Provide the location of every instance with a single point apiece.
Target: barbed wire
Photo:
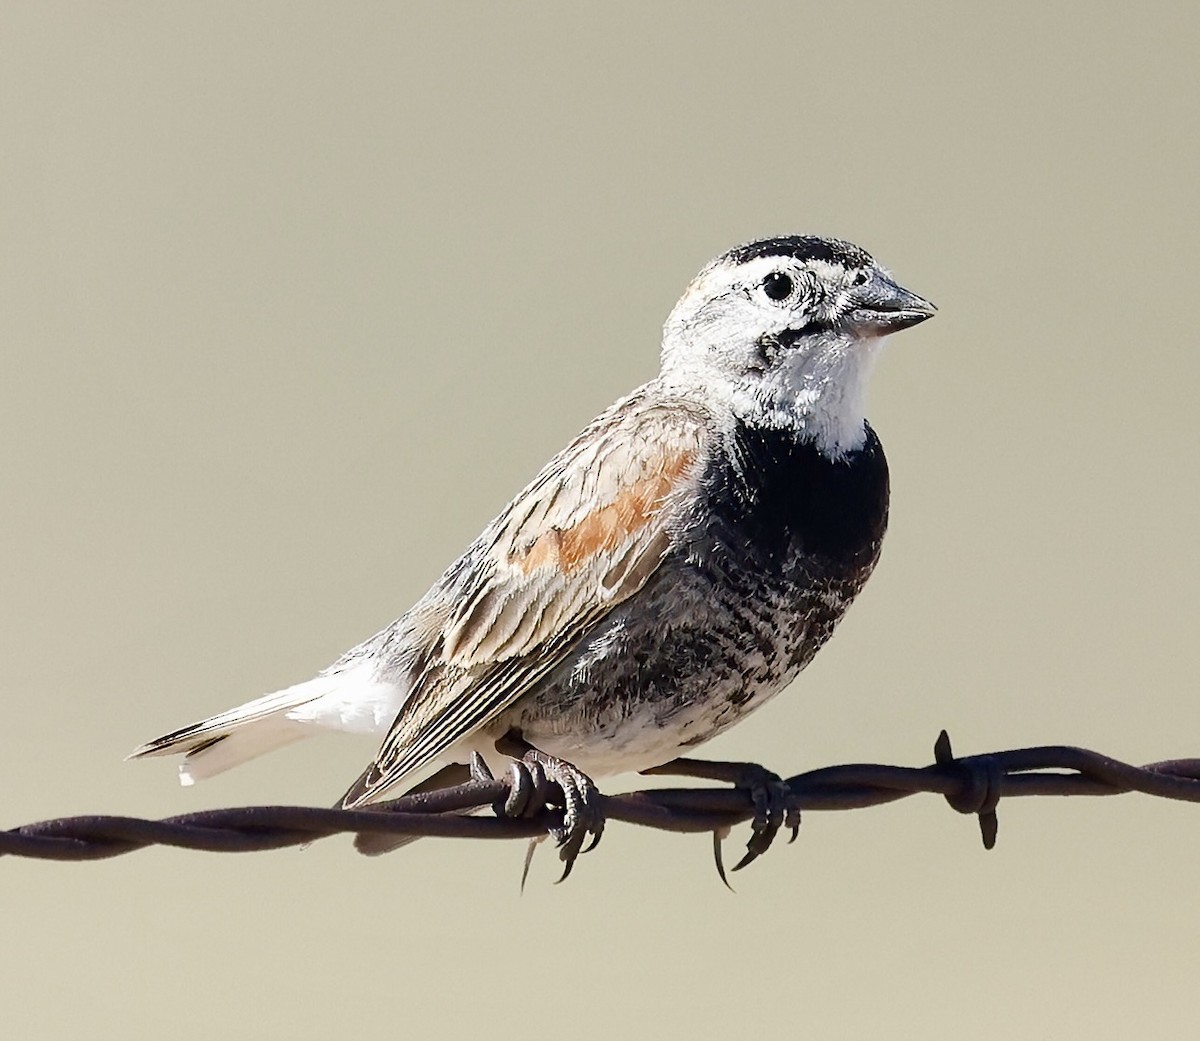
(971, 785)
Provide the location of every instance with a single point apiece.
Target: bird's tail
(230, 738)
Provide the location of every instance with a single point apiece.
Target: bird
(669, 571)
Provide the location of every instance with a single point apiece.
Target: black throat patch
(783, 501)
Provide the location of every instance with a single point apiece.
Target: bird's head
(786, 330)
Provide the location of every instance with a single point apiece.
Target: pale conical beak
(882, 307)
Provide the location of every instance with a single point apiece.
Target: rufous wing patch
(605, 529)
(546, 551)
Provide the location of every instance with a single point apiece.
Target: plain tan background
(293, 297)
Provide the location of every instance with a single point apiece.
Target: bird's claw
(528, 790)
(533, 779)
(479, 768)
(582, 814)
(775, 807)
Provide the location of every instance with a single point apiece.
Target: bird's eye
(859, 279)
(777, 286)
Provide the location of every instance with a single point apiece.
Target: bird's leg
(774, 804)
(582, 813)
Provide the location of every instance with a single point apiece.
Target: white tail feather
(265, 735)
(349, 700)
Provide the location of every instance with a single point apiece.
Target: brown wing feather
(587, 533)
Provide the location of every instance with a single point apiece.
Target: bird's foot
(775, 806)
(533, 778)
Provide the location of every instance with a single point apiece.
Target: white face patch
(821, 392)
(730, 341)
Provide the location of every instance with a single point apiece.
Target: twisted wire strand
(971, 784)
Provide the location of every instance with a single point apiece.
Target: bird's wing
(586, 534)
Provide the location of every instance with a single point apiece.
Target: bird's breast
(777, 503)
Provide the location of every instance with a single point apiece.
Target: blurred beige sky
(293, 297)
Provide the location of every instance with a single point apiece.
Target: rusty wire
(971, 784)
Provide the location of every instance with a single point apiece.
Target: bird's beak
(882, 307)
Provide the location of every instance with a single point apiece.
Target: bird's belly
(668, 673)
(629, 743)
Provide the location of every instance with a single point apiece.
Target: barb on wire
(971, 784)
